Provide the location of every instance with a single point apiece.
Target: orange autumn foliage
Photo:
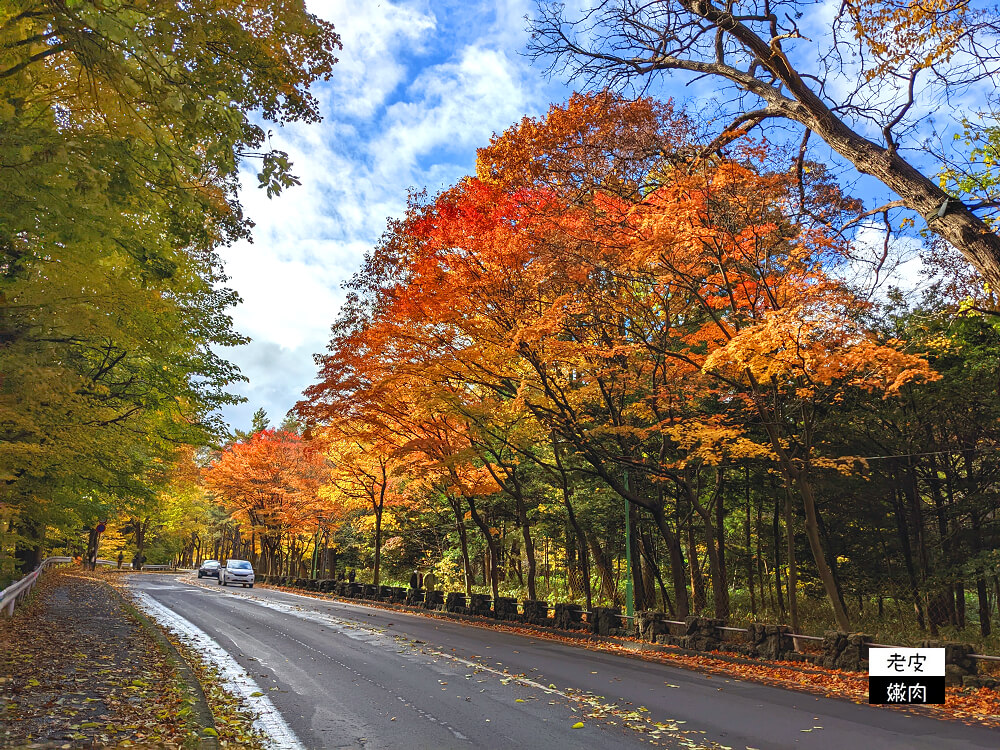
(652, 311)
(270, 483)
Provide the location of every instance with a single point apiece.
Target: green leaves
(118, 178)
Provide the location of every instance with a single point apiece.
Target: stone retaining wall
(846, 651)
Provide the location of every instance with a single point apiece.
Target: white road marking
(236, 679)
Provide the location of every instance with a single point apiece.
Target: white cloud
(454, 106)
(413, 96)
(374, 35)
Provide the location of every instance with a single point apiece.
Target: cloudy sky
(419, 86)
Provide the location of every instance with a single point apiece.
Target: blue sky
(419, 86)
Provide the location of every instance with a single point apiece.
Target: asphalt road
(345, 675)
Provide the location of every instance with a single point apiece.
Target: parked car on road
(209, 569)
(236, 571)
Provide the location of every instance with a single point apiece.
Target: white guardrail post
(11, 596)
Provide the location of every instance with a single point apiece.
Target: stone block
(979, 681)
(568, 616)
(536, 611)
(847, 651)
(481, 604)
(957, 655)
(771, 642)
(606, 621)
(434, 600)
(505, 608)
(456, 602)
(650, 624)
(701, 633)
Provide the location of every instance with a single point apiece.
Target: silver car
(236, 571)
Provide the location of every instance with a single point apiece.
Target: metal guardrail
(128, 565)
(11, 596)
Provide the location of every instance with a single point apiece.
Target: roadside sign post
(905, 675)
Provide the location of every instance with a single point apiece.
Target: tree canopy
(122, 127)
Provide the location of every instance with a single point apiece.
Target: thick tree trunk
(969, 234)
(90, 558)
(795, 100)
(30, 544)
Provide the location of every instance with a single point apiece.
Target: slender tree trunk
(904, 541)
(529, 546)
(799, 479)
(720, 585)
(717, 572)
(377, 575)
(491, 546)
(463, 539)
(581, 537)
(749, 543)
(697, 579)
(776, 550)
(638, 580)
(944, 540)
(763, 578)
(676, 561)
(793, 570)
(608, 589)
(720, 537)
(982, 592)
(917, 524)
(646, 553)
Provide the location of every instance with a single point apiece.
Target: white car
(236, 571)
